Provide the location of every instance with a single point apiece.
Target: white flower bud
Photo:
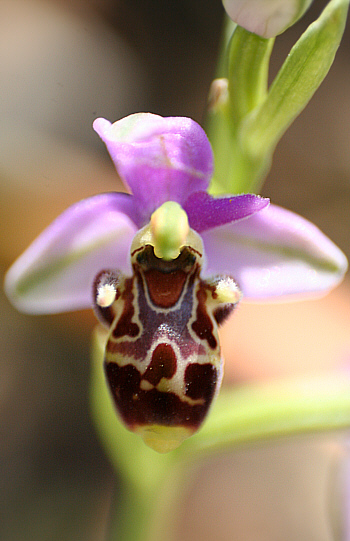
(267, 18)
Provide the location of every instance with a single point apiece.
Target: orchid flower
(164, 266)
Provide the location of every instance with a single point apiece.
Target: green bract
(252, 118)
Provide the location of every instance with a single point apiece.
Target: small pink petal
(205, 212)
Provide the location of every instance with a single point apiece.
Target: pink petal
(57, 270)
(275, 253)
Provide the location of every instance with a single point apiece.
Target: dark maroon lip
(138, 407)
(162, 359)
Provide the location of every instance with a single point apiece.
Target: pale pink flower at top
(267, 18)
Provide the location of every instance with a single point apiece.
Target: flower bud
(267, 18)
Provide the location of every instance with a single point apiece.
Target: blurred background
(62, 64)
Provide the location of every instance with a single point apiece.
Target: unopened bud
(267, 18)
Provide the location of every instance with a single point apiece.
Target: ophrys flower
(164, 266)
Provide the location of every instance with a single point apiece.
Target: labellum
(162, 359)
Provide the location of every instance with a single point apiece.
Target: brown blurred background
(62, 64)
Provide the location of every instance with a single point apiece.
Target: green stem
(248, 66)
(134, 513)
(153, 515)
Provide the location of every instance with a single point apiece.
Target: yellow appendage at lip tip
(163, 438)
